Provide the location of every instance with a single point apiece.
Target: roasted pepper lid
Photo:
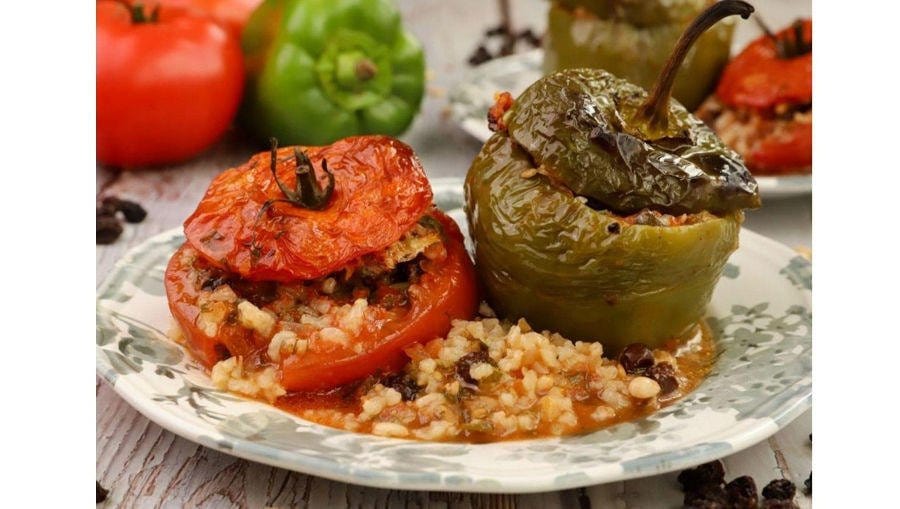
(624, 149)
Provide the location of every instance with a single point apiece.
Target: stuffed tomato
(307, 268)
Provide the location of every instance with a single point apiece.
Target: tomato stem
(655, 109)
(791, 43)
(138, 14)
(308, 193)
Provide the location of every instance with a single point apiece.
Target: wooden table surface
(144, 465)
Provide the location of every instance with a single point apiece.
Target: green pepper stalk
(321, 70)
(593, 220)
(631, 39)
(655, 110)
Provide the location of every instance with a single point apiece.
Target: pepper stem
(655, 110)
(366, 69)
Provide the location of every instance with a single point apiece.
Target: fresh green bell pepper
(632, 38)
(321, 70)
(554, 196)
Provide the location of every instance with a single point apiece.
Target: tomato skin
(449, 292)
(231, 14)
(758, 78)
(783, 154)
(166, 90)
(446, 295)
(380, 192)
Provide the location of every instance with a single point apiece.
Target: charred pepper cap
(609, 140)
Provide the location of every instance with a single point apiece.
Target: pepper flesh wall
(554, 202)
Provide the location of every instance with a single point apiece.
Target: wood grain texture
(145, 466)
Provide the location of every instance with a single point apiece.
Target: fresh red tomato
(445, 291)
(168, 85)
(380, 191)
(231, 14)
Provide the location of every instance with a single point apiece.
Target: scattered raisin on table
(480, 56)
(741, 493)
(705, 474)
(707, 496)
(132, 211)
(101, 493)
(772, 503)
(108, 229)
(636, 358)
(779, 489)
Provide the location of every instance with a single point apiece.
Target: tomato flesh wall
(351, 323)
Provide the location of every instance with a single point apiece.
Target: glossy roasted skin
(445, 290)
(321, 70)
(581, 126)
(543, 255)
(632, 39)
(380, 192)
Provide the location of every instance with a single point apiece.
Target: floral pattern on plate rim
(762, 380)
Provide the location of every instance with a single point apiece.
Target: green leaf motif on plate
(799, 272)
(121, 364)
(731, 271)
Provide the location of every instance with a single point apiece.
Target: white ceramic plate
(762, 380)
(473, 96)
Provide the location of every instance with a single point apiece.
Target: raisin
(530, 37)
(101, 493)
(636, 358)
(480, 56)
(107, 209)
(222, 351)
(664, 374)
(706, 496)
(213, 282)
(108, 229)
(741, 493)
(613, 228)
(807, 485)
(133, 212)
(402, 383)
(779, 489)
(467, 361)
(497, 30)
(778, 504)
(712, 473)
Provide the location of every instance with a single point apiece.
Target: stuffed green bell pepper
(632, 38)
(321, 70)
(602, 212)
